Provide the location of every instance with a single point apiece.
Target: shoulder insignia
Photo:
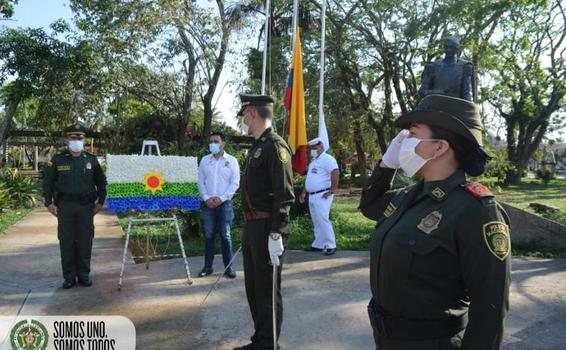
(496, 236)
(476, 189)
(389, 210)
(430, 222)
(283, 154)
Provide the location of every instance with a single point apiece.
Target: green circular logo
(29, 335)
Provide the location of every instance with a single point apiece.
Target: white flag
(322, 132)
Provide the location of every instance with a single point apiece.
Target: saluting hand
(97, 208)
(52, 209)
(391, 156)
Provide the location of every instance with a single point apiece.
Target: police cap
(460, 116)
(254, 100)
(76, 129)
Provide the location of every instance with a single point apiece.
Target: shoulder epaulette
(478, 190)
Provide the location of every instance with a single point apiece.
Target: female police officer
(440, 261)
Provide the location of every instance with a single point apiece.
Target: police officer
(440, 256)
(267, 194)
(74, 190)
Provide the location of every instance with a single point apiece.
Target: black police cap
(75, 129)
(254, 100)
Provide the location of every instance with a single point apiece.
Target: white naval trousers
(323, 231)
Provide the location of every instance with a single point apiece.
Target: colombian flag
(294, 102)
(152, 183)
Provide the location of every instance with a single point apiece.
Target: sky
(41, 13)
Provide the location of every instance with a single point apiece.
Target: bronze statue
(450, 76)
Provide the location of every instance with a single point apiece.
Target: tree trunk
(360, 151)
(514, 174)
(11, 108)
(218, 65)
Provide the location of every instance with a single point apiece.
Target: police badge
(430, 222)
(88, 166)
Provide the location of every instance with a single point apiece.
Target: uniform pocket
(427, 258)
(63, 177)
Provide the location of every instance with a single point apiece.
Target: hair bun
(475, 161)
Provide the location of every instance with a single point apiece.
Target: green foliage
(7, 8)
(20, 190)
(545, 175)
(5, 201)
(558, 216)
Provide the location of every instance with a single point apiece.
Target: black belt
(326, 189)
(256, 215)
(82, 198)
(404, 328)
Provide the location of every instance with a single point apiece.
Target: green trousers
(75, 232)
(258, 274)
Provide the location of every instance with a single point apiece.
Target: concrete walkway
(325, 298)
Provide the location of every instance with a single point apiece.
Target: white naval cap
(315, 141)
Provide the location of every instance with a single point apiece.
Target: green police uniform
(267, 194)
(74, 184)
(440, 263)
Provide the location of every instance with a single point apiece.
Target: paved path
(324, 298)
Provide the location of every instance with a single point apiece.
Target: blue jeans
(217, 219)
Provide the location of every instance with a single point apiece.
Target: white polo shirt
(318, 174)
(218, 177)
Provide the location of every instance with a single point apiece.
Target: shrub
(22, 191)
(545, 175)
(4, 197)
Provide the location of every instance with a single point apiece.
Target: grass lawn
(352, 233)
(352, 229)
(533, 190)
(8, 217)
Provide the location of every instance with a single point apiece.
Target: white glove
(275, 247)
(391, 156)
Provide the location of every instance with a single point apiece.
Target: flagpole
(322, 131)
(322, 49)
(265, 42)
(295, 20)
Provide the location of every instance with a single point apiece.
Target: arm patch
(496, 236)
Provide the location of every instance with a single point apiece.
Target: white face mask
(409, 160)
(76, 145)
(314, 153)
(214, 148)
(246, 128)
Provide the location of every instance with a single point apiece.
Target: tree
(59, 74)
(531, 75)
(181, 43)
(7, 8)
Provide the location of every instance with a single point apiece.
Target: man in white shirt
(321, 184)
(218, 180)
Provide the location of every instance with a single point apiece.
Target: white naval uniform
(318, 178)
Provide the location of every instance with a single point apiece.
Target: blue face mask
(214, 148)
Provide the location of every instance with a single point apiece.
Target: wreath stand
(148, 144)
